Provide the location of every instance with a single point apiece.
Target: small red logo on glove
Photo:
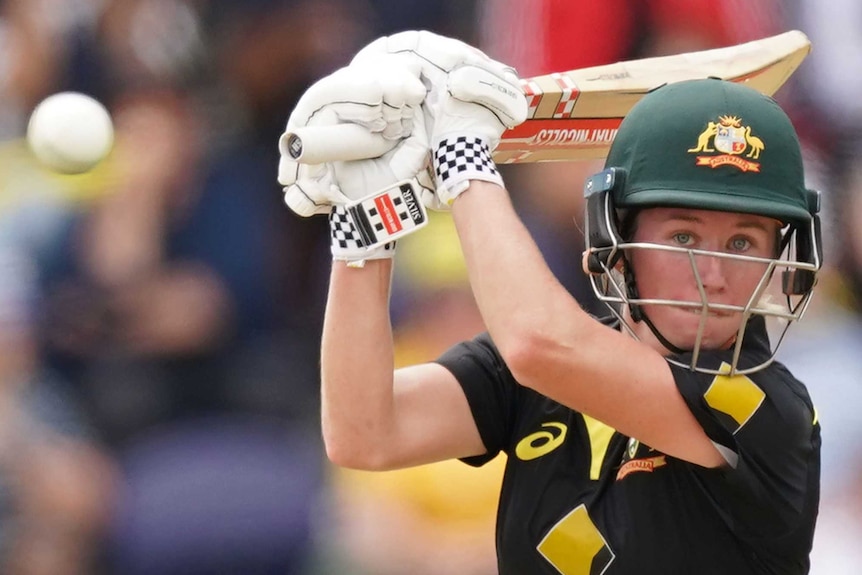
(388, 214)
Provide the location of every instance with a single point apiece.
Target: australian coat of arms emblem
(728, 142)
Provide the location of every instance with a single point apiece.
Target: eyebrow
(753, 224)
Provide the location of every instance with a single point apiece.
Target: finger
(288, 169)
(299, 199)
(398, 78)
(371, 118)
(395, 86)
(412, 155)
(392, 117)
(482, 86)
(342, 86)
(407, 115)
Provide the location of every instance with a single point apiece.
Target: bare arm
(551, 345)
(373, 417)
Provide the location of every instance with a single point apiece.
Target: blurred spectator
(184, 307)
(56, 483)
(31, 61)
(160, 315)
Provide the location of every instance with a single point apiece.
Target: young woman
(664, 439)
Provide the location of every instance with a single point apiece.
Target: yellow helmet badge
(730, 143)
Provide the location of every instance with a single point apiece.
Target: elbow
(346, 456)
(349, 453)
(527, 355)
(342, 457)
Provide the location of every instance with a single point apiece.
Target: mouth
(710, 313)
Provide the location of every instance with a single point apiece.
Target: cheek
(746, 278)
(663, 274)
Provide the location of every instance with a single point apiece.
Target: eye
(683, 238)
(740, 244)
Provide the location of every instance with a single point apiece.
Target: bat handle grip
(341, 142)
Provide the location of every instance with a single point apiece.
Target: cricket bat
(575, 115)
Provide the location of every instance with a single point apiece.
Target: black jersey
(580, 499)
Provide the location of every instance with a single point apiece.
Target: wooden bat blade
(575, 115)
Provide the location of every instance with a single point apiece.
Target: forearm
(357, 363)
(524, 306)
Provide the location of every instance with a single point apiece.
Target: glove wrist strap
(367, 228)
(459, 159)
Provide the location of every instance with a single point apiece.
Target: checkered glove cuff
(459, 159)
(348, 244)
(367, 228)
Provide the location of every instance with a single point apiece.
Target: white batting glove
(370, 202)
(471, 101)
(381, 95)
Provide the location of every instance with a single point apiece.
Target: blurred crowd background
(160, 316)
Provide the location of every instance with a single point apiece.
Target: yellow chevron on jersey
(735, 395)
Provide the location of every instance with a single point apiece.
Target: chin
(680, 327)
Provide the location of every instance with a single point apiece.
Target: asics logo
(541, 443)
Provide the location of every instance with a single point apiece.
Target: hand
(384, 198)
(384, 98)
(383, 95)
(471, 100)
(471, 79)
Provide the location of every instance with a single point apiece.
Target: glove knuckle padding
(466, 73)
(340, 86)
(483, 87)
(298, 201)
(308, 193)
(399, 83)
(357, 92)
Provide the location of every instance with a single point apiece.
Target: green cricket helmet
(712, 145)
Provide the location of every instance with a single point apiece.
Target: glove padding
(470, 96)
(481, 80)
(383, 95)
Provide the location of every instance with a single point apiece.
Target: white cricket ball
(70, 132)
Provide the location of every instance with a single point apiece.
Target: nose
(712, 273)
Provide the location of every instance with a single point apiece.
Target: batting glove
(378, 96)
(471, 101)
(370, 202)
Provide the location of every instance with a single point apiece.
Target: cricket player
(663, 439)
